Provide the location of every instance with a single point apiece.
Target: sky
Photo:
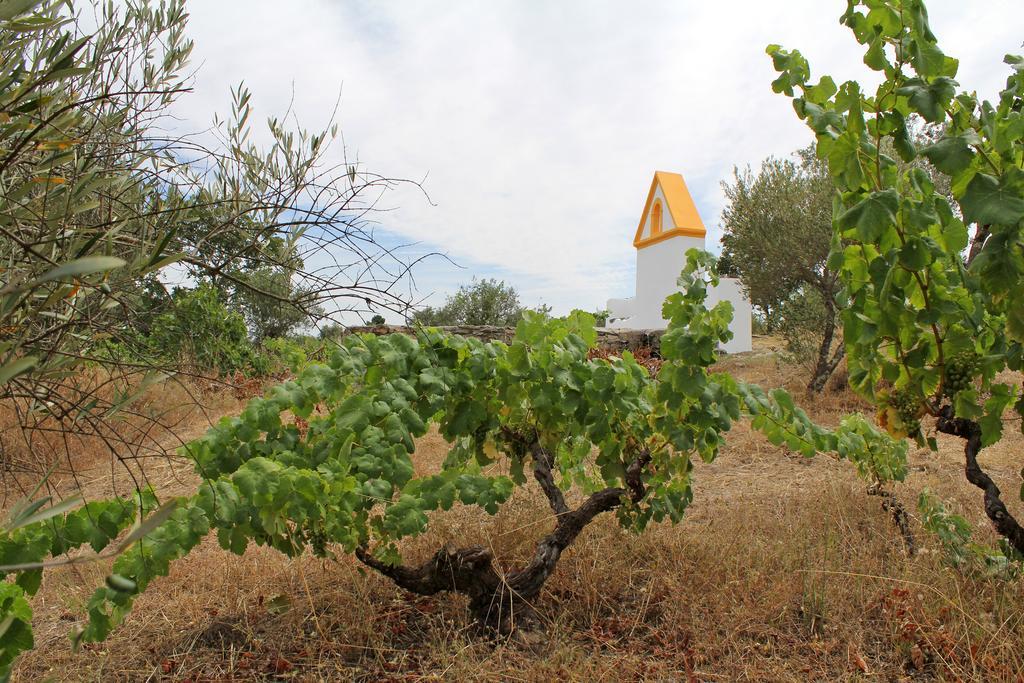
(534, 126)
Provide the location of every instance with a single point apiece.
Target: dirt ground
(784, 569)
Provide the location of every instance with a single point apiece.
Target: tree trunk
(978, 243)
(503, 602)
(826, 365)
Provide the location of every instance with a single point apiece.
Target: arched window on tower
(656, 218)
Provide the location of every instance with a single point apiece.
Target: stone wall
(612, 339)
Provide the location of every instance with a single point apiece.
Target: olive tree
(97, 200)
(777, 237)
(482, 302)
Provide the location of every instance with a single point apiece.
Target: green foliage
(483, 302)
(68, 148)
(199, 329)
(31, 535)
(877, 457)
(954, 535)
(331, 331)
(292, 353)
(778, 231)
(347, 481)
(928, 325)
(912, 302)
(97, 201)
(16, 627)
(267, 303)
(263, 284)
(800, 320)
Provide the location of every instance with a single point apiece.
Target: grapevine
(932, 277)
(540, 405)
(32, 534)
(960, 371)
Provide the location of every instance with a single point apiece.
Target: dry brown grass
(784, 569)
(108, 456)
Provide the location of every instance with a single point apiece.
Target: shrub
(200, 329)
(483, 302)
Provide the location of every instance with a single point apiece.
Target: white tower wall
(660, 257)
(657, 269)
(731, 289)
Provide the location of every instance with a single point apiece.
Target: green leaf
(928, 59)
(821, 92)
(161, 263)
(992, 201)
(31, 516)
(87, 265)
(11, 9)
(875, 56)
(929, 99)
(992, 422)
(966, 405)
(15, 625)
(915, 255)
(871, 216)
(1015, 323)
(17, 367)
(950, 154)
(150, 523)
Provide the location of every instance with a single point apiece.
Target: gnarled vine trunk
(503, 602)
(892, 505)
(995, 509)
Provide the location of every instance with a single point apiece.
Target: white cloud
(537, 125)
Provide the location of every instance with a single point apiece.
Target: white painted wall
(730, 289)
(619, 308)
(657, 269)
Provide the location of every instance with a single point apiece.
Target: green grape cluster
(960, 372)
(908, 408)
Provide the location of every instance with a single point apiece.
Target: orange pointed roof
(684, 220)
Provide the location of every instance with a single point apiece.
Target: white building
(669, 226)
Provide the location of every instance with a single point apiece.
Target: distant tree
(258, 274)
(726, 267)
(272, 304)
(199, 329)
(482, 302)
(600, 317)
(333, 331)
(778, 231)
(377, 319)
